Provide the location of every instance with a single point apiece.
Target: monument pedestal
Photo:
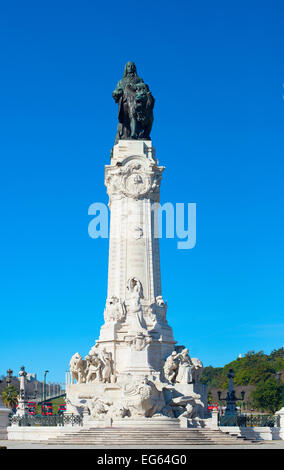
(125, 379)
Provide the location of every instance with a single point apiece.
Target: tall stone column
(22, 409)
(135, 330)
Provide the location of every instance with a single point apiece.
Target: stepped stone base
(161, 422)
(141, 437)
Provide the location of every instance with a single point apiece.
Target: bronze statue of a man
(136, 103)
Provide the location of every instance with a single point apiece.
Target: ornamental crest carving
(136, 183)
(135, 179)
(139, 342)
(115, 310)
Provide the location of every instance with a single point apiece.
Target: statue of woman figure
(184, 375)
(135, 294)
(107, 362)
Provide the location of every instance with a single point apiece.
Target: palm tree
(10, 397)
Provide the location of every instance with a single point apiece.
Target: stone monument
(135, 374)
(22, 408)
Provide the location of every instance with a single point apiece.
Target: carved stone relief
(180, 368)
(95, 368)
(135, 179)
(115, 310)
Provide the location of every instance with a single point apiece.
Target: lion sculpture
(77, 368)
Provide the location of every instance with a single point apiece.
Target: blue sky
(216, 70)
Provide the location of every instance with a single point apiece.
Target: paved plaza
(36, 445)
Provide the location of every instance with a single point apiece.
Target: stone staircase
(122, 437)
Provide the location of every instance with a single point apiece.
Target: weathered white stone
(126, 375)
(256, 433)
(22, 408)
(280, 413)
(213, 424)
(4, 420)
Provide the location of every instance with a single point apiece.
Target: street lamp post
(44, 385)
(9, 377)
(231, 398)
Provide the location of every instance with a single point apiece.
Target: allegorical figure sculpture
(185, 369)
(136, 103)
(135, 311)
(142, 398)
(180, 368)
(94, 368)
(171, 367)
(77, 368)
(107, 363)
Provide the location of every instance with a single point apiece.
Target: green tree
(209, 397)
(10, 397)
(211, 376)
(267, 395)
(253, 368)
